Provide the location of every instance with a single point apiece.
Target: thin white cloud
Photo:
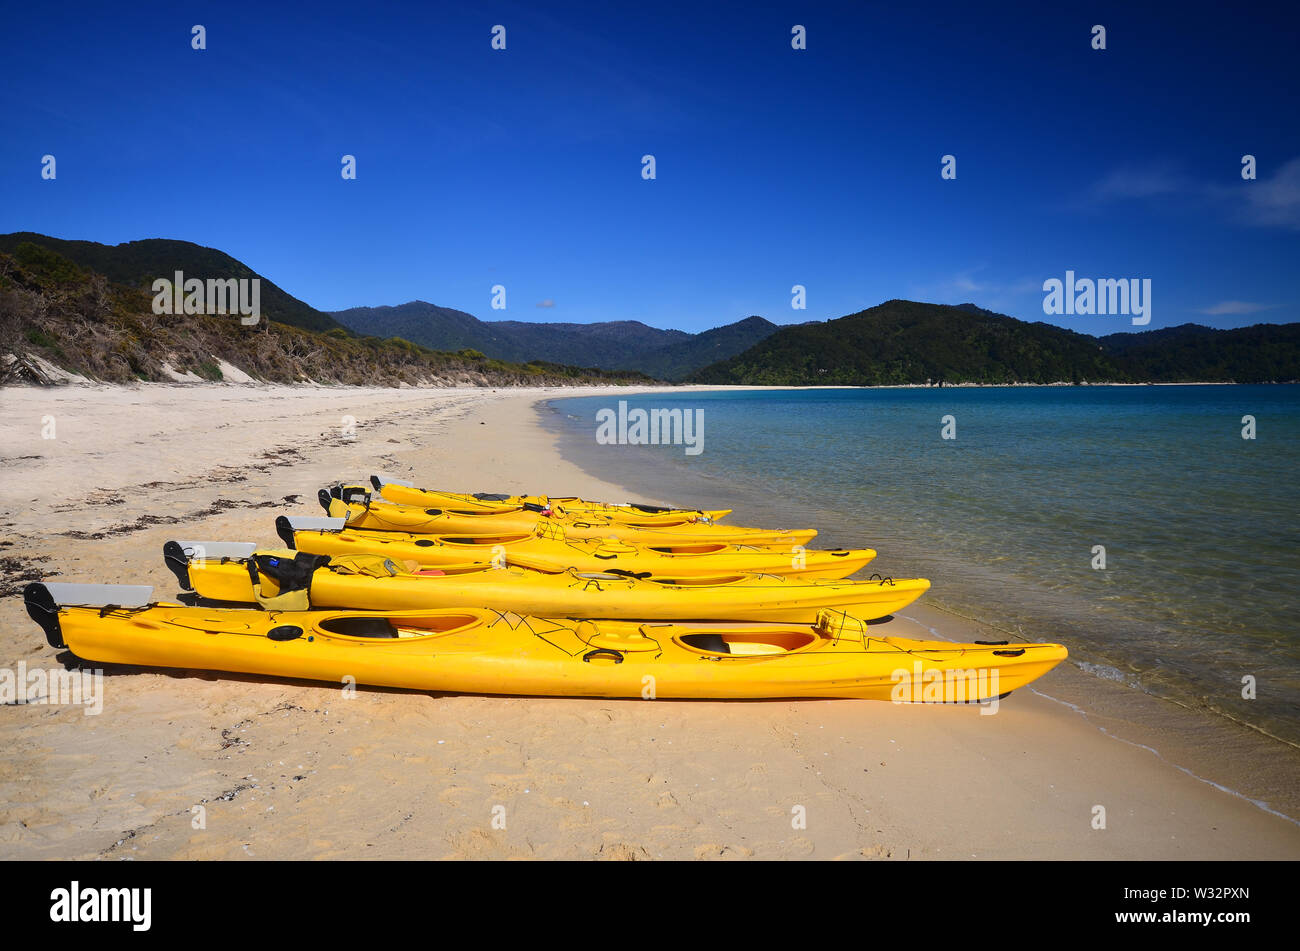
(1270, 202)
(967, 287)
(1140, 182)
(1235, 307)
(546, 303)
(1275, 202)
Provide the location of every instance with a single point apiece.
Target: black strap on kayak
(346, 496)
(291, 574)
(353, 494)
(876, 576)
(623, 572)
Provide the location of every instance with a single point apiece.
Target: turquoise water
(1199, 526)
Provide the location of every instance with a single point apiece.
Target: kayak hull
(387, 516)
(552, 554)
(475, 651)
(629, 512)
(570, 593)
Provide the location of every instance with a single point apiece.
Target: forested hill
(612, 344)
(908, 342)
(139, 263)
(61, 321)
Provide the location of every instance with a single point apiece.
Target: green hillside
(613, 345)
(906, 342)
(138, 263)
(55, 313)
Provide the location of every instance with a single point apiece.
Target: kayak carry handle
(602, 652)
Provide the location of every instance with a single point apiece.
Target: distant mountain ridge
(55, 291)
(610, 345)
(909, 342)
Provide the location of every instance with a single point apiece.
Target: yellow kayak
(382, 516)
(480, 651)
(549, 549)
(297, 581)
(631, 512)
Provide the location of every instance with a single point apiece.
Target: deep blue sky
(775, 167)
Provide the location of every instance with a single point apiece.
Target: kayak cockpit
(746, 643)
(372, 627)
(700, 582)
(689, 549)
(479, 541)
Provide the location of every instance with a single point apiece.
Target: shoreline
(1107, 662)
(1182, 728)
(289, 769)
(237, 378)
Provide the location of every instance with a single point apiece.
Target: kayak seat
(711, 641)
(360, 626)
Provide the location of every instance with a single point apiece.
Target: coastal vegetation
(58, 317)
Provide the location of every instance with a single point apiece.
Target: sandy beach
(286, 769)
